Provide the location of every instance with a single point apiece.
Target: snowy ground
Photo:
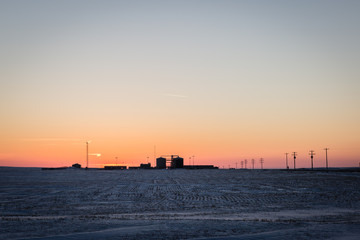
(178, 204)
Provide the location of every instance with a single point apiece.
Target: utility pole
(253, 163)
(287, 165)
(236, 165)
(87, 154)
(193, 157)
(242, 164)
(326, 149)
(261, 161)
(312, 153)
(294, 154)
(116, 158)
(245, 162)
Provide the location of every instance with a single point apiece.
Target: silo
(177, 162)
(161, 163)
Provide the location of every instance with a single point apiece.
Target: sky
(222, 81)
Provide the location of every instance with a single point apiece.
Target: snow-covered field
(178, 204)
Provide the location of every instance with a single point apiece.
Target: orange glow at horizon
(190, 77)
(56, 153)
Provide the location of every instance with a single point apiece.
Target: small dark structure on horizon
(145, 166)
(55, 168)
(76, 165)
(134, 168)
(115, 167)
(142, 166)
(200, 167)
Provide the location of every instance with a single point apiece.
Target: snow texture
(178, 204)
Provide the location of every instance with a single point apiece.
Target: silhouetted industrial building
(174, 160)
(177, 162)
(161, 163)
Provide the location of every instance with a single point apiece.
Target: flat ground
(178, 204)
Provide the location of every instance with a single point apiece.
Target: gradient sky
(222, 80)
